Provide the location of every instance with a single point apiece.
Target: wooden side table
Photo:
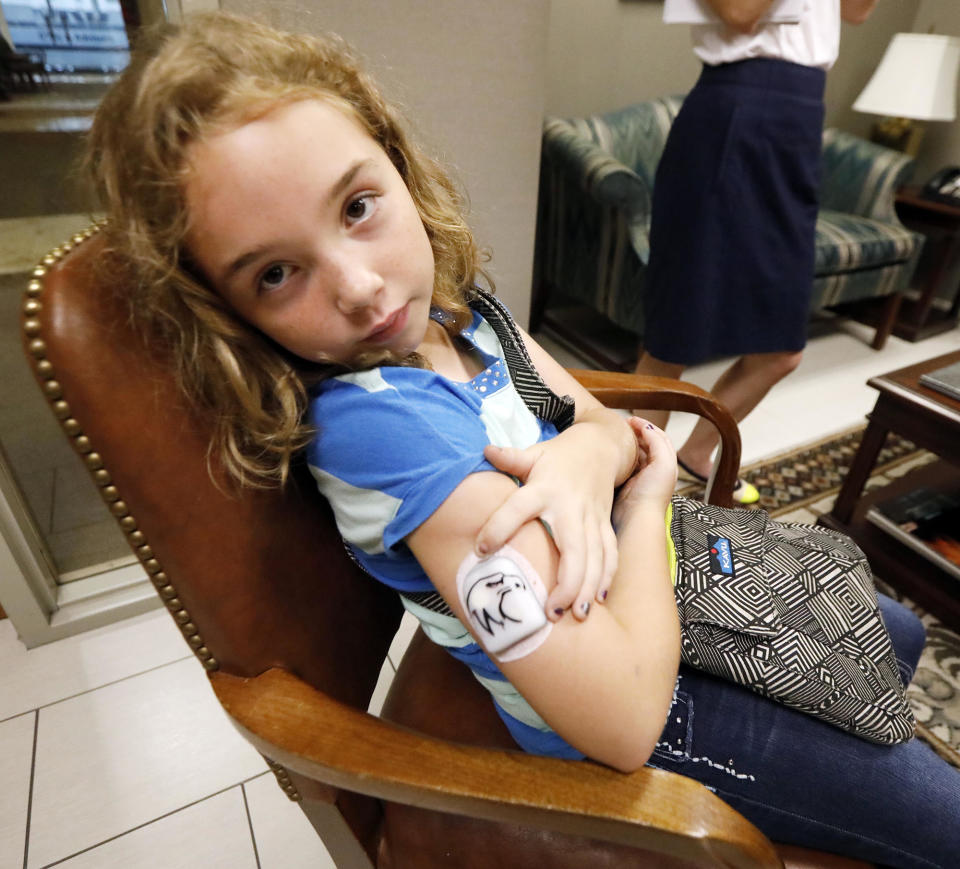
(931, 420)
(938, 272)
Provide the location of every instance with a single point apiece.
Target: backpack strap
(543, 402)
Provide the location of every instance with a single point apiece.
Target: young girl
(312, 270)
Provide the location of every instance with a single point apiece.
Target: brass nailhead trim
(36, 346)
(283, 779)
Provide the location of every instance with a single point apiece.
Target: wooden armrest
(306, 731)
(627, 391)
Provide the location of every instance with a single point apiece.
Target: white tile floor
(114, 753)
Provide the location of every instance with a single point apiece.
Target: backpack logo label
(721, 555)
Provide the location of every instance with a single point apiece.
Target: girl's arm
(568, 483)
(604, 685)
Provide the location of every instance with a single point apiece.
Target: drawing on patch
(503, 605)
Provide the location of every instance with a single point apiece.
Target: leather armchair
(293, 634)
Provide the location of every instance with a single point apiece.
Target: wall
(608, 53)
(471, 76)
(861, 48)
(605, 54)
(941, 145)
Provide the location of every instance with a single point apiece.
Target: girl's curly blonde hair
(214, 72)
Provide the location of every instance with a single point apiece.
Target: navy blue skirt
(734, 215)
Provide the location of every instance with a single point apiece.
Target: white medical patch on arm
(503, 597)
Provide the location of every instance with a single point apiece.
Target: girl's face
(305, 228)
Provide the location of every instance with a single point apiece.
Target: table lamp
(916, 80)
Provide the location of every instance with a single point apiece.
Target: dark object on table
(944, 186)
(927, 520)
(946, 380)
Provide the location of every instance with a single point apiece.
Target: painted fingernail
(650, 426)
(603, 594)
(558, 611)
(585, 607)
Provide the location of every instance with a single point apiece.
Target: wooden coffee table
(931, 420)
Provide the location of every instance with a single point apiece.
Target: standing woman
(735, 206)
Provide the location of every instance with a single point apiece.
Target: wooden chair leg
(888, 317)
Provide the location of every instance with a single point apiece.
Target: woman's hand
(656, 475)
(568, 483)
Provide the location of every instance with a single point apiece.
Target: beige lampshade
(917, 78)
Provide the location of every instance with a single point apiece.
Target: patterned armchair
(594, 217)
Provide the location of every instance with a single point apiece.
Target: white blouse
(814, 41)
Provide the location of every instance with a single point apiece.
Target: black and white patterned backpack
(787, 610)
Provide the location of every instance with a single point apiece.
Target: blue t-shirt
(392, 444)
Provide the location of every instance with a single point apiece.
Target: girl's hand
(568, 484)
(656, 474)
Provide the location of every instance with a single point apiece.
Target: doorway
(65, 565)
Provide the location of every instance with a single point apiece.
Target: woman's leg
(650, 366)
(740, 389)
(805, 782)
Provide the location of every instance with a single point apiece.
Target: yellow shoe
(743, 492)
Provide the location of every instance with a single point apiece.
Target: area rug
(804, 481)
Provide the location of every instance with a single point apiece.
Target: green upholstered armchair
(593, 218)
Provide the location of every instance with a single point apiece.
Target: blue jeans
(805, 782)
